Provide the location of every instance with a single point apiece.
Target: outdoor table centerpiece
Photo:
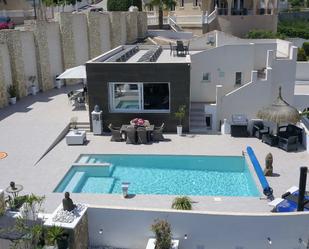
(139, 122)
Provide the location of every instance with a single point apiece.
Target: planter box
(152, 243)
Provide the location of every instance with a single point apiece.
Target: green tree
(301, 55)
(306, 48)
(123, 5)
(162, 5)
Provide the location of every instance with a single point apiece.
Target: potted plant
(182, 203)
(57, 236)
(163, 234)
(12, 91)
(73, 123)
(180, 114)
(33, 86)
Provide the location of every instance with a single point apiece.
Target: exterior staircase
(85, 126)
(197, 118)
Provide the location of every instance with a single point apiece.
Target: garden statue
(268, 171)
(67, 202)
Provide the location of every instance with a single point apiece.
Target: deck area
(30, 127)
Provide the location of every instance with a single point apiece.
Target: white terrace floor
(28, 128)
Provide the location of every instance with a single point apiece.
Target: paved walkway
(28, 128)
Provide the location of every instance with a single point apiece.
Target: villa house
(236, 17)
(234, 76)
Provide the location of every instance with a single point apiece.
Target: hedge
(123, 5)
(301, 55)
(306, 48)
(263, 34)
(299, 28)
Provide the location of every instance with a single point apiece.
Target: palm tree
(162, 4)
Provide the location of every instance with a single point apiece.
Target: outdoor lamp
(101, 231)
(269, 240)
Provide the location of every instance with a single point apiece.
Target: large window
(139, 97)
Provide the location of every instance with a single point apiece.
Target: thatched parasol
(279, 112)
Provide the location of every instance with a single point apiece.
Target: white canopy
(78, 72)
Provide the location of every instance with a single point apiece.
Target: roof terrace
(144, 54)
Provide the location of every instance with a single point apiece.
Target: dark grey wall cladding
(178, 74)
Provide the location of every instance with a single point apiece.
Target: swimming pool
(160, 174)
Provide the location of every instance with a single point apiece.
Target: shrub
(123, 5)
(263, 34)
(298, 28)
(182, 203)
(301, 55)
(163, 234)
(306, 48)
(12, 91)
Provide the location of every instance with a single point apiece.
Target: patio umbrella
(279, 112)
(78, 72)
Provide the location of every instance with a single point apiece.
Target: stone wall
(46, 49)
(99, 33)
(131, 27)
(2, 202)
(142, 24)
(79, 238)
(118, 28)
(4, 67)
(13, 40)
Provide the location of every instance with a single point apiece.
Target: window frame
(209, 77)
(111, 98)
(240, 81)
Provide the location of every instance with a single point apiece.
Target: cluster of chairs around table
(288, 137)
(179, 48)
(78, 98)
(137, 134)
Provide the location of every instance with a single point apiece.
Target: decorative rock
(67, 216)
(268, 171)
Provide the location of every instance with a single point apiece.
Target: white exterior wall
(283, 74)
(131, 229)
(302, 71)
(80, 32)
(228, 59)
(54, 49)
(29, 56)
(247, 100)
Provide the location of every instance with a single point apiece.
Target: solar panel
(124, 55)
(151, 55)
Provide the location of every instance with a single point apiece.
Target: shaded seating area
(78, 98)
(259, 129)
(287, 137)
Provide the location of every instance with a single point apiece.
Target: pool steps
(78, 176)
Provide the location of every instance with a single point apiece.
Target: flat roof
(142, 54)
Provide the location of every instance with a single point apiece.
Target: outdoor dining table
(149, 129)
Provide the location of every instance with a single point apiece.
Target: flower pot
(179, 130)
(62, 244)
(58, 84)
(33, 90)
(13, 100)
(75, 130)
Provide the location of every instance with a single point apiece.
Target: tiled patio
(28, 128)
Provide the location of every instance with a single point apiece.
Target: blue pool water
(161, 174)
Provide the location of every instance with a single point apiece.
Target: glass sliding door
(156, 96)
